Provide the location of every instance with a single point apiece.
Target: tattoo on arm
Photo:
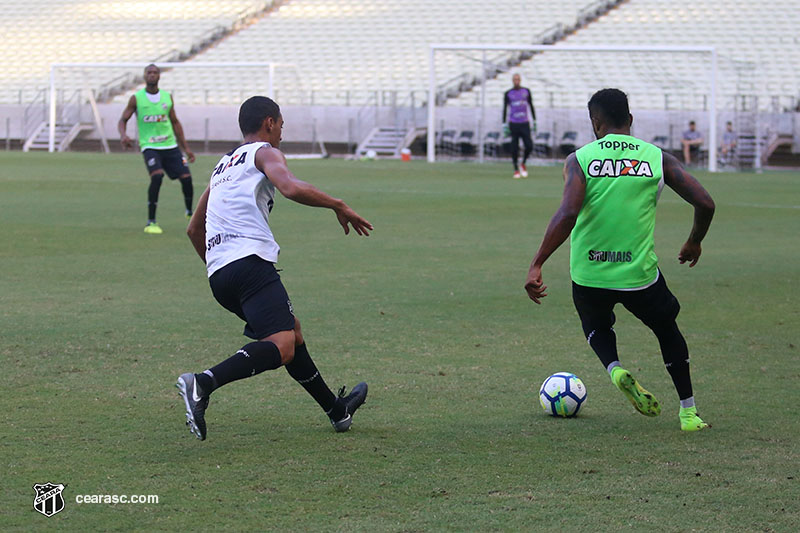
(683, 183)
(674, 172)
(572, 171)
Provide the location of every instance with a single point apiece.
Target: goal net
(667, 87)
(89, 97)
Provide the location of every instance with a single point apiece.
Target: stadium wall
(647, 124)
(344, 127)
(333, 124)
(12, 120)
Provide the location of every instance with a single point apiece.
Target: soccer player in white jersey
(231, 233)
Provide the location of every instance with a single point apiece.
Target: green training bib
(155, 128)
(612, 244)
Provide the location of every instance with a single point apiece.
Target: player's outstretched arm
(127, 113)
(690, 190)
(177, 127)
(197, 226)
(560, 226)
(272, 163)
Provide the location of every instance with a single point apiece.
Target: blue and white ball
(562, 394)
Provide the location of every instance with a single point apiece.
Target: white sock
(612, 366)
(688, 402)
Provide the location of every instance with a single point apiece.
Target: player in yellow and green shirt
(611, 189)
(160, 135)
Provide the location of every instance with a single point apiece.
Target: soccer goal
(88, 96)
(667, 87)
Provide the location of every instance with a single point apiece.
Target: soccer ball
(562, 394)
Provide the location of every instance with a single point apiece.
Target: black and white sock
(304, 371)
(676, 358)
(188, 193)
(604, 344)
(252, 359)
(152, 196)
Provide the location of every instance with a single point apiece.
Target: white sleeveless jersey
(237, 217)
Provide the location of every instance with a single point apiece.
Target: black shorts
(170, 161)
(655, 306)
(251, 289)
(522, 129)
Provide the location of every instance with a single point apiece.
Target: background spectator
(692, 139)
(728, 143)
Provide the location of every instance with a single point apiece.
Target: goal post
(526, 54)
(73, 87)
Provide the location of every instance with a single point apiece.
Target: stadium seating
(372, 52)
(59, 31)
(343, 51)
(757, 43)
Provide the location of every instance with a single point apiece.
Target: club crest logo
(48, 499)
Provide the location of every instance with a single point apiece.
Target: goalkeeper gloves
(506, 130)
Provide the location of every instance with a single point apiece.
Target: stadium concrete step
(384, 141)
(747, 151)
(64, 135)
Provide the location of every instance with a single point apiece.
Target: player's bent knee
(285, 341)
(287, 353)
(668, 315)
(298, 334)
(157, 175)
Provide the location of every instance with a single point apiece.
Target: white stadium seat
(69, 31)
(356, 47)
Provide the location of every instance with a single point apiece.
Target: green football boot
(690, 421)
(642, 400)
(153, 229)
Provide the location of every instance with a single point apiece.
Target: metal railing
(594, 9)
(367, 116)
(35, 113)
(108, 89)
(71, 107)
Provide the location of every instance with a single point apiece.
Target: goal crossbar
(712, 76)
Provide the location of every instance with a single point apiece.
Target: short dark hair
(152, 65)
(613, 104)
(691, 123)
(253, 112)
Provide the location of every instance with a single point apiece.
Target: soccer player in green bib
(160, 134)
(611, 189)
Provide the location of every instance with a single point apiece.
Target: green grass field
(98, 319)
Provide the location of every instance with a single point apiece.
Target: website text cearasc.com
(116, 498)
